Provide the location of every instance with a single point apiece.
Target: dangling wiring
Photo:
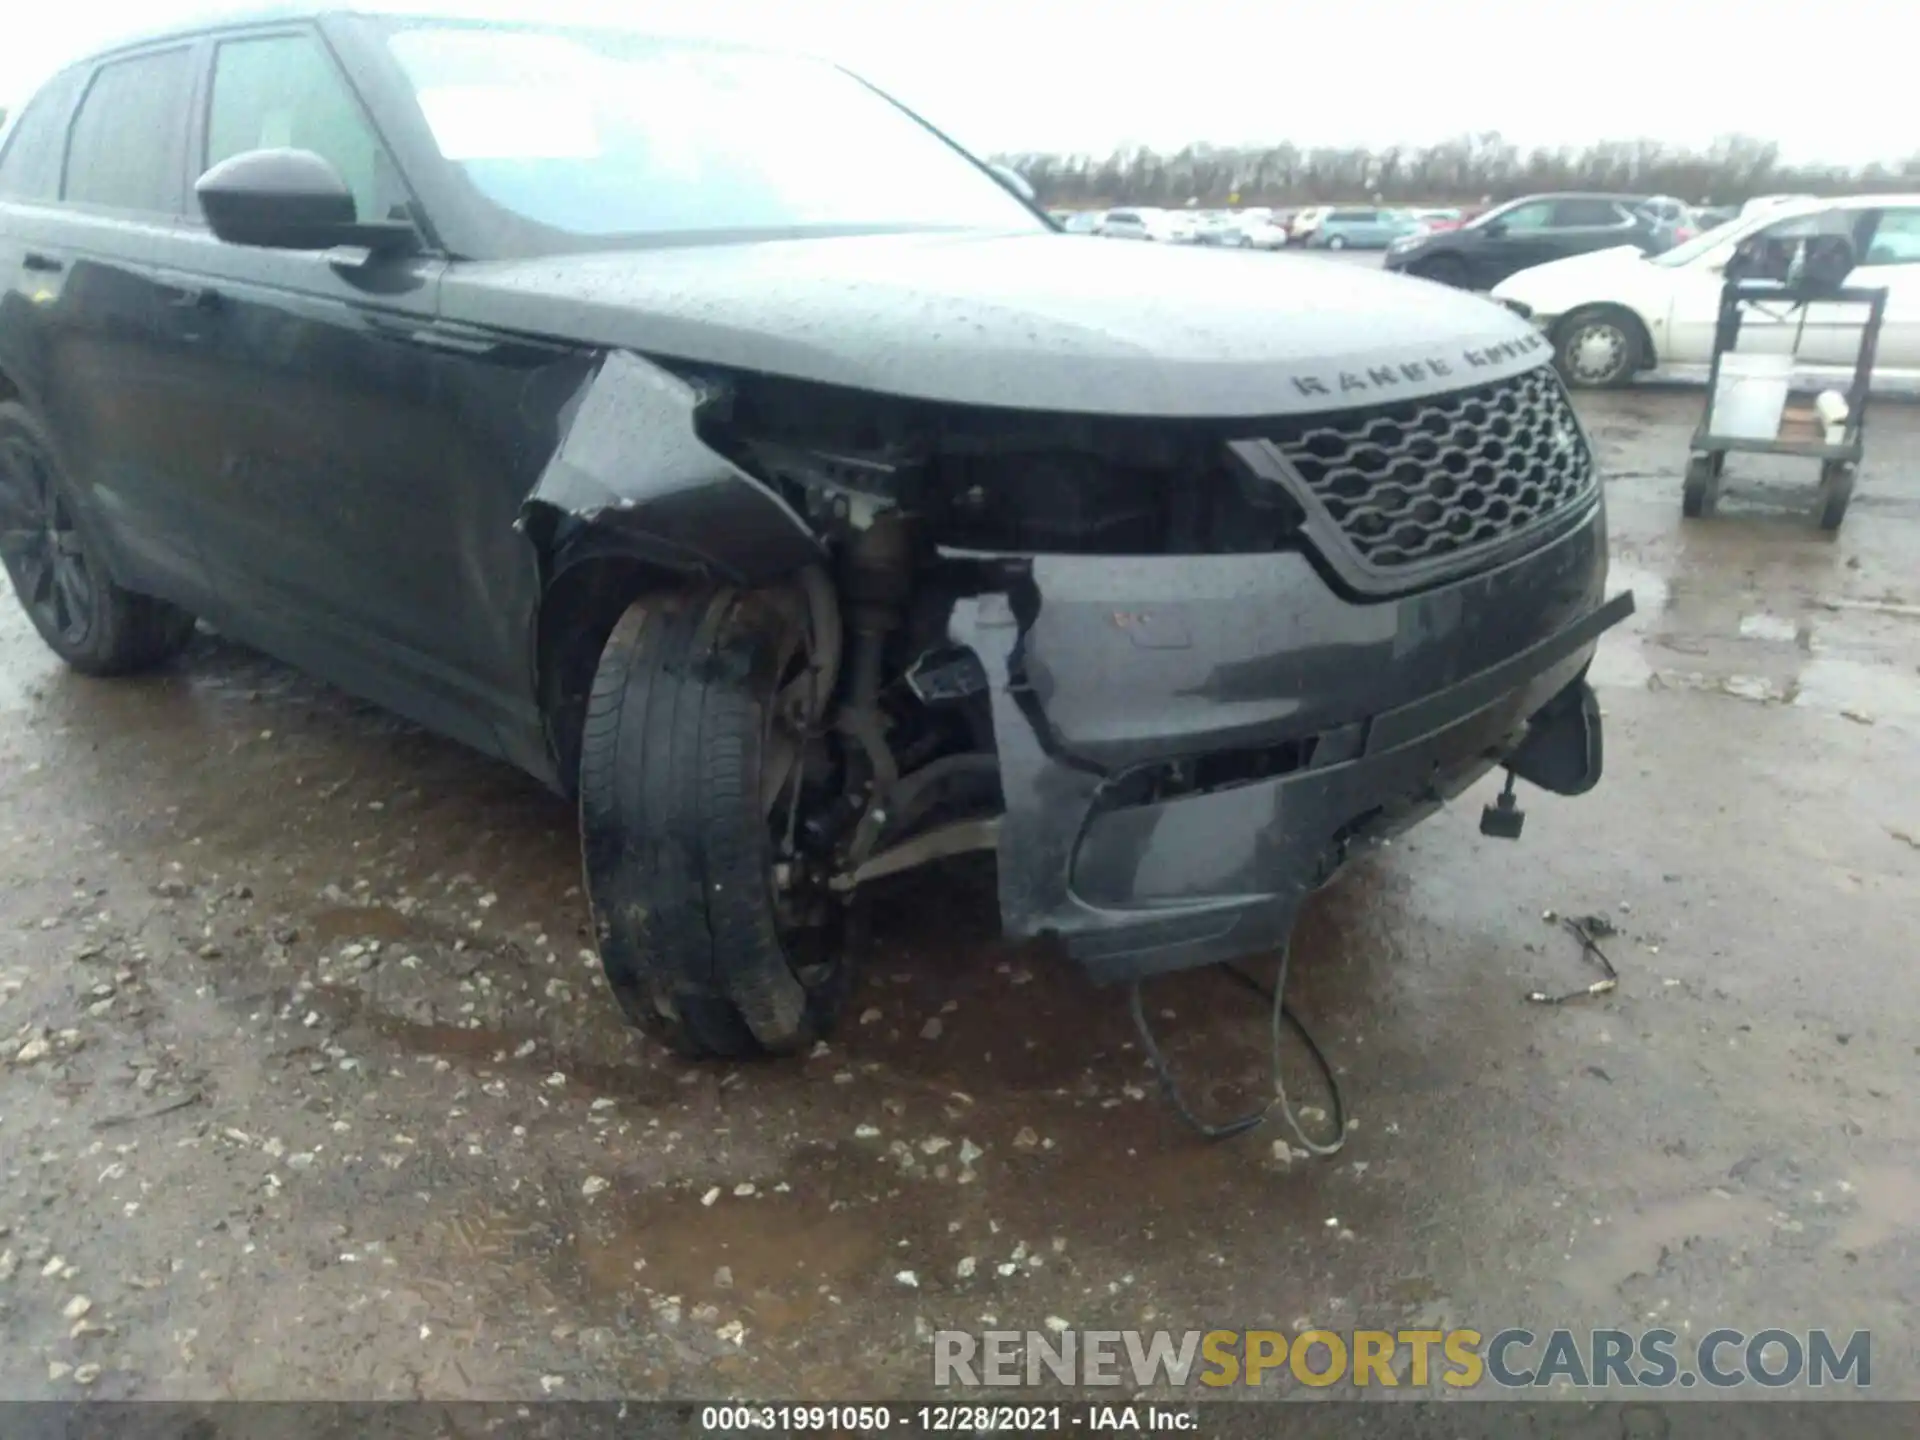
(1281, 1017)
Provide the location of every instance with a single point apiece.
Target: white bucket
(1751, 395)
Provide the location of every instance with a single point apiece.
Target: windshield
(1712, 239)
(606, 134)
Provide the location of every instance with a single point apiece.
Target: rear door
(105, 332)
(1582, 224)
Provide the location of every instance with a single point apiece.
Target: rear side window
(126, 150)
(1353, 217)
(280, 91)
(30, 165)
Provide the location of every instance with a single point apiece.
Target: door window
(30, 166)
(1578, 214)
(1536, 216)
(126, 147)
(282, 91)
(1896, 239)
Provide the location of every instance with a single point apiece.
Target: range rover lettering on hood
(1050, 323)
(1422, 371)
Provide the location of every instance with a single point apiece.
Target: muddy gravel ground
(312, 1088)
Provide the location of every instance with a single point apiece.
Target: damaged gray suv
(699, 431)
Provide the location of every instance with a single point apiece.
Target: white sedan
(1613, 313)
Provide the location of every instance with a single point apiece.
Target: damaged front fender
(633, 475)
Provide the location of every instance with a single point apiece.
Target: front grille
(1412, 486)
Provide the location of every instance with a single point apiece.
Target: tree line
(1466, 170)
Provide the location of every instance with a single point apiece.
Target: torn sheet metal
(1100, 671)
(632, 461)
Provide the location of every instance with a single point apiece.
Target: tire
(58, 571)
(1700, 493)
(676, 841)
(1337, 242)
(1444, 270)
(1596, 349)
(1836, 492)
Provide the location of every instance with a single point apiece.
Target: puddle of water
(1889, 1204)
(782, 1255)
(1637, 1241)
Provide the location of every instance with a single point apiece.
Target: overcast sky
(1081, 75)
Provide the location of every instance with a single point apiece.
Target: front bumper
(1364, 716)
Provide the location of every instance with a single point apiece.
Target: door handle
(34, 260)
(200, 299)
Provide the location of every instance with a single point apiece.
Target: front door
(352, 466)
(1524, 240)
(1819, 334)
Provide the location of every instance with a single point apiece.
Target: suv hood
(1032, 322)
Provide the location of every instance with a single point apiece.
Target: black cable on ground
(1281, 1015)
(1586, 930)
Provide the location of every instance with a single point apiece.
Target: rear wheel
(1596, 349)
(687, 779)
(57, 571)
(1337, 242)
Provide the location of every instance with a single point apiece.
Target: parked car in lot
(1080, 222)
(1263, 233)
(1615, 313)
(803, 529)
(1305, 222)
(1521, 233)
(1135, 224)
(1218, 227)
(1361, 229)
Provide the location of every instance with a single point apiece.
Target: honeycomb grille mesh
(1414, 484)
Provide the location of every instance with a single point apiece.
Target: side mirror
(289, 200)
(1014, 181)
(1494, 229)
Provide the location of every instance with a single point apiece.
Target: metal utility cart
(1801, 433)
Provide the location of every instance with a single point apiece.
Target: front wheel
(687, 776)
(1337, 242)
(1596, 349)
(57, 570)
(1444, 270)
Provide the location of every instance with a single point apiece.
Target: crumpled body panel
(1367, 715)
